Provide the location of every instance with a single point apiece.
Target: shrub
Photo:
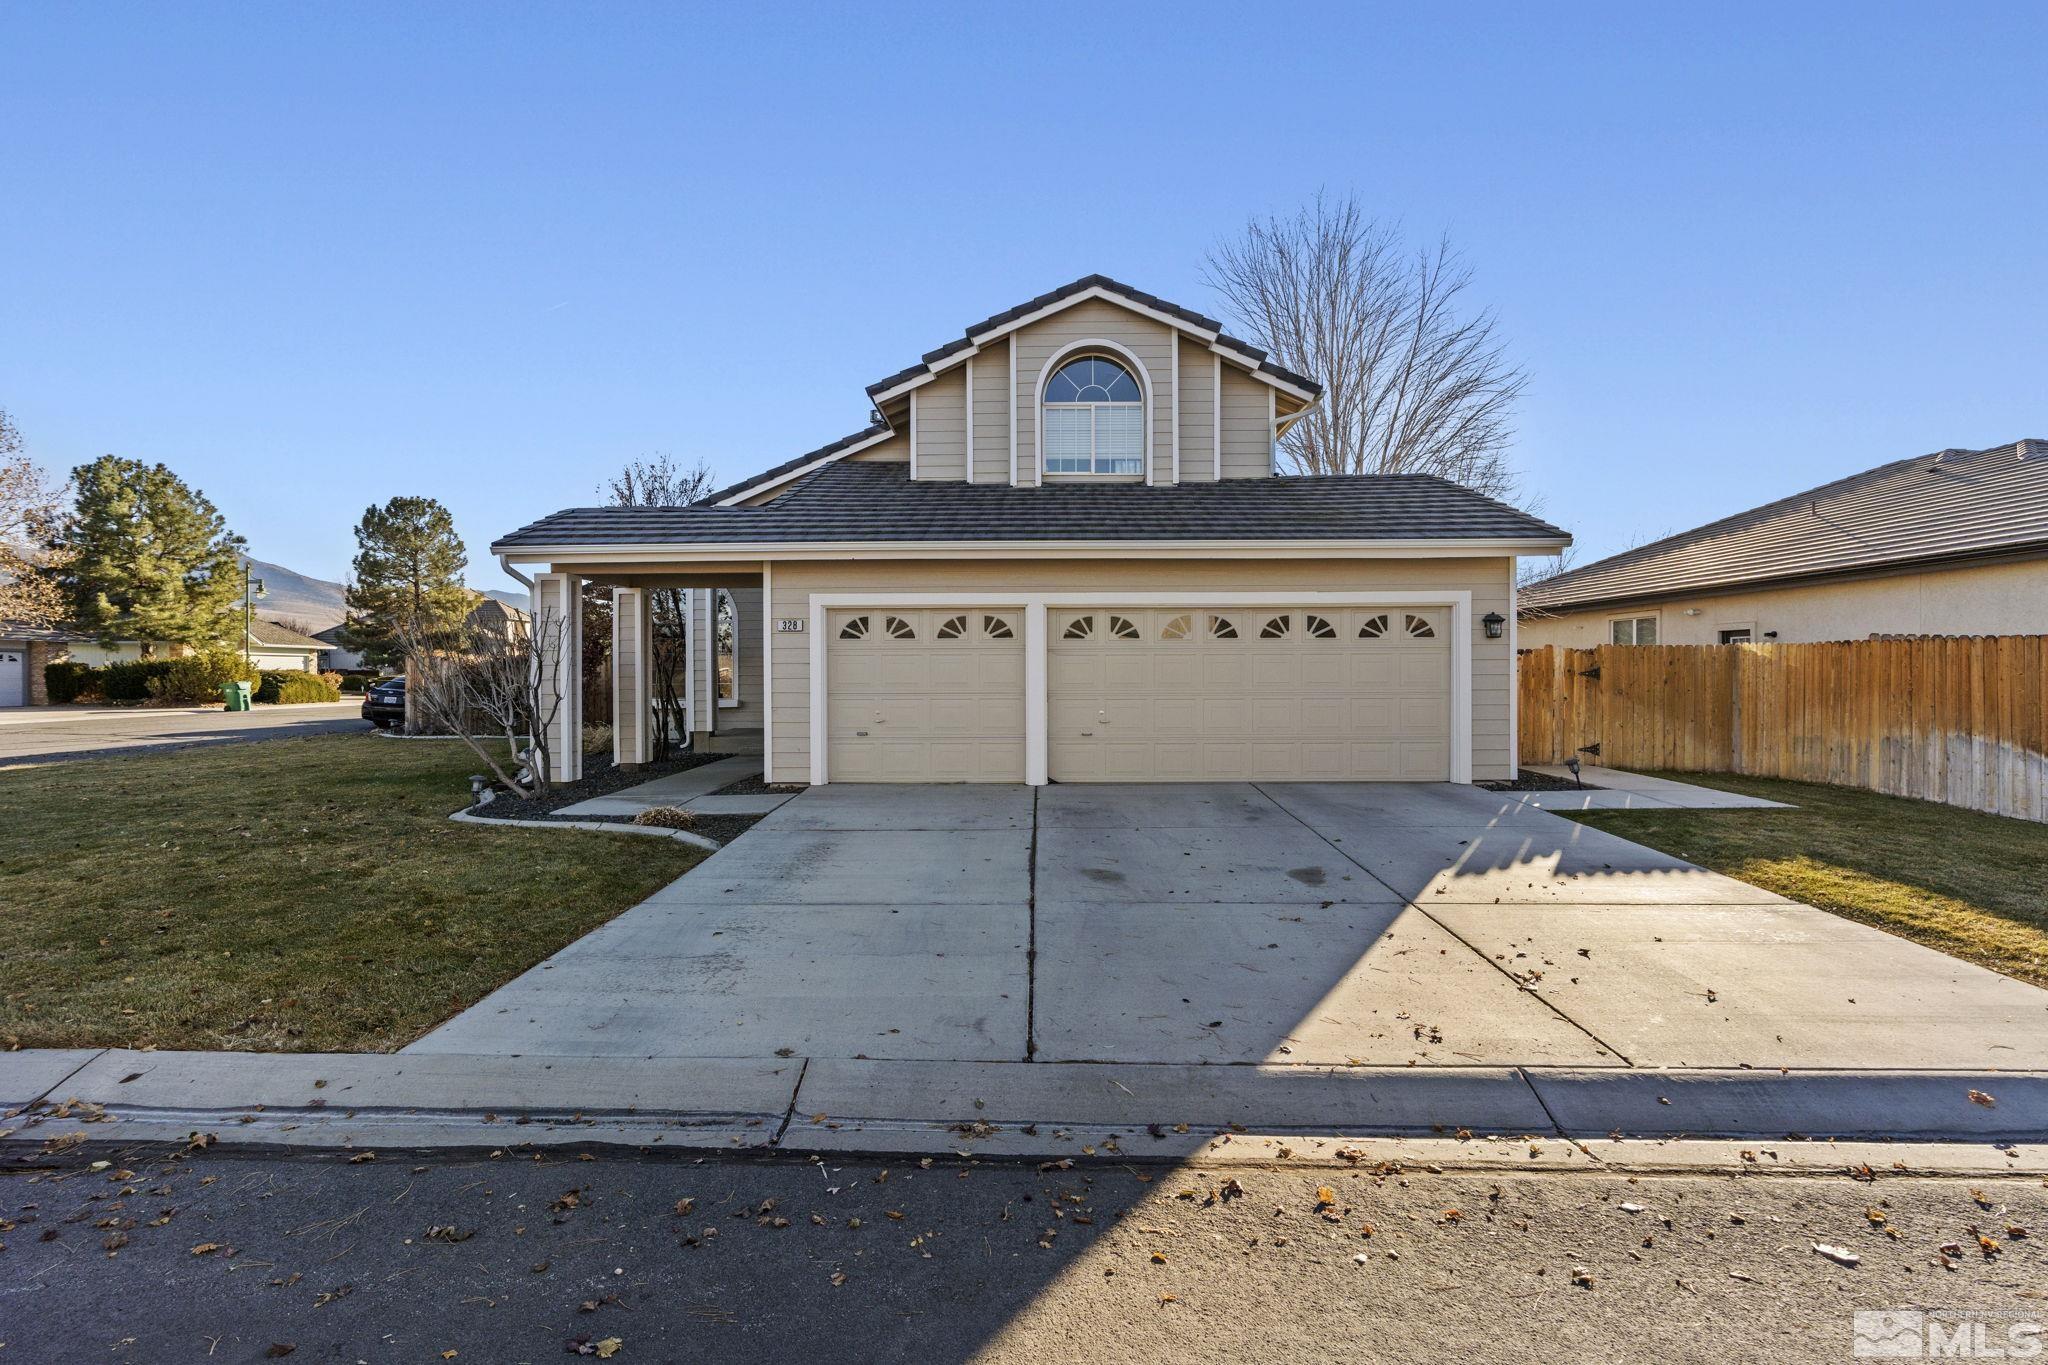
(196, 679)
(667, 817)
(67, 681)
(133, 679)
(289, 688)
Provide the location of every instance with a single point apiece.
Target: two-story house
(1061, 553)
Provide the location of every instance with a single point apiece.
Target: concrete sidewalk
(692, 788)
(1613, 789)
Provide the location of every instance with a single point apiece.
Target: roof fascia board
(755, 490)
(1443, 547)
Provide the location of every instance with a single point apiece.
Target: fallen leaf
(1839, 1255)
(1979, 1097)
(206, 1248)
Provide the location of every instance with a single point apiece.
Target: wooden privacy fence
(1961, 720)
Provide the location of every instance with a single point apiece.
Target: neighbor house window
(1094, 419)
(1633, 630)
(1735, 635)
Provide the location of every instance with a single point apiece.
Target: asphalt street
(163, 1255)
(44, 734)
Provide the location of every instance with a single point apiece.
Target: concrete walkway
(1613, 789)
(690, 788)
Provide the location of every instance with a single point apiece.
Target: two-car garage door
(1143, 694)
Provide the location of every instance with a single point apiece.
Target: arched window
(1094, 419)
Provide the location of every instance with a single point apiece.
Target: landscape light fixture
(1493, 621)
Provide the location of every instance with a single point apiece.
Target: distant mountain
(316, 603)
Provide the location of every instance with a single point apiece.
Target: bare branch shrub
(482, 685)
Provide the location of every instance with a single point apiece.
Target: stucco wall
(1995, 599)
(1486, 578)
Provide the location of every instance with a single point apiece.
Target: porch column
(558, 666)
(632, 676)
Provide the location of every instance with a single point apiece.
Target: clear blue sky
(313, 256)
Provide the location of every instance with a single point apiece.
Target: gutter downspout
(505, 563)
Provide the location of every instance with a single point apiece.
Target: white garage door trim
(1034, 605)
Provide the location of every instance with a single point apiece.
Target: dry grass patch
(1974, 886)
(293, 895)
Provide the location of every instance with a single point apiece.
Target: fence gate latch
(1593, 673)
(1593, 749)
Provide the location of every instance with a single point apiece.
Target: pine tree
(408, 578)
(149, 558)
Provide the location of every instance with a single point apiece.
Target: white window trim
(1656, 616)
(1719, 626)
(1038, 404)
(1035, 604)
(711, 635)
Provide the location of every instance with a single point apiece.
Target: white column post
(1035, 739)
(558, 660)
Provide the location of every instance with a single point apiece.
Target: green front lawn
(289, 895)
(1975, 886)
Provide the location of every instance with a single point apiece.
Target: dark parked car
(384, 703)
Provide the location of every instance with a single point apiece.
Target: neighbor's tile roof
(854, 500)
(271, 633)
(1954, 505)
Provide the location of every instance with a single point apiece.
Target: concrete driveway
(1420, 925)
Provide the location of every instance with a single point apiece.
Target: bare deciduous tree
(487, 677)
(659, 481)
(1412, 384)
(31, 510)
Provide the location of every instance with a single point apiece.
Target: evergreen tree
(148, 558)
(408, 578)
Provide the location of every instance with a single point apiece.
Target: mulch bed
(1538, 782)
(601, 777)
(754, 786)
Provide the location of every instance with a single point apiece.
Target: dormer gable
(1092, 382)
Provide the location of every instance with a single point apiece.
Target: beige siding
(992, 414)
(629, 705)
(896, 448)
(1989, 599)
(1247, 426)
(1197, 412)
(942, 427)
(1486, 578)
(1150, 341)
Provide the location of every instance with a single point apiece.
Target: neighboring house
(499, 618)
(24, 651)
(1061, 553)
(1947, 544)
(335, 655)
(269, 645)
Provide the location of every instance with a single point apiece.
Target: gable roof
(989, 329)
(264, 632)
(872, 502)
(1087, 287)
(1958, 504)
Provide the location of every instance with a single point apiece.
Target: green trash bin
(236, 695)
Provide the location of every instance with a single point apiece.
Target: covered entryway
(1193, 693)
(925, 694)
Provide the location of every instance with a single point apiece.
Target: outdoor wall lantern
(1493, 621)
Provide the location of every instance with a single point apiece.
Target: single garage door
(13, 677)
(1270, 693)
(925, 694)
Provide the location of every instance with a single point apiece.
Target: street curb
(1499, 1116)
(597, 826)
